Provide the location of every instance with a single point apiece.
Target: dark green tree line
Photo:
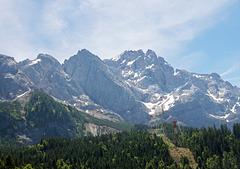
(122, 150)
(216, 148)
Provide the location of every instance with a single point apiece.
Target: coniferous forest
(137, 149)
(212, 148)
(216, 148)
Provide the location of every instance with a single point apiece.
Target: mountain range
(131, 87)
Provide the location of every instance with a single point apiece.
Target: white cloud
(15, 28)
(232, 69)
(105, 27)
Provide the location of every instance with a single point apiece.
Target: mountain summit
(104, 86)
(194, 99)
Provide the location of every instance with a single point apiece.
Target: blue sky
(199, 36)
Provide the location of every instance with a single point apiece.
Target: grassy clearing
(177, 153)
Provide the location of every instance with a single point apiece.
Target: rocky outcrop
(96, 130)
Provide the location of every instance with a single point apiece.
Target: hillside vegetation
(43, 117)
(216, 148)
(212, 148)
(122, 150)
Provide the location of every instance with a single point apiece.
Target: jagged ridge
(128, 87)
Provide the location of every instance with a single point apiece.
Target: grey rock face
(146, 74)
(12, 81)
(47, 73)
(104, 87)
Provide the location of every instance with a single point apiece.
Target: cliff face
(99, 130)
(104, 87)
(47, 73)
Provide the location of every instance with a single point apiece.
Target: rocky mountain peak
(12, 81)
(102, 85)
(82, 58)
(136, 59)
(215, 75)
(130, 55)
(151, 53)
(7, 59)
(85, 54)
(45, 56)
(82, 62)
(8, 64)
(47, 60)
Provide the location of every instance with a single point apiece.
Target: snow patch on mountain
(233, 109)
(169, 101)
(152, 107)
(220, 117)
(34, 62)
(131, 62)
(150, 67)
(21, 95)
(163, 101)
(218, 100)
(198, 76)
(9, 76)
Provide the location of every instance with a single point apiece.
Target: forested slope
(212, 148)
(43, 117)
(122, 150)
(216, 148)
